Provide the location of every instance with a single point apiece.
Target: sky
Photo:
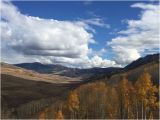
(78, 33)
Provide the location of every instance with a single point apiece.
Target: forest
(80, 59)
(100, 100)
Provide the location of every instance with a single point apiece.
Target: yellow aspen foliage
(124, 90)
(146, 93)
(73, 101)
(43, 114)
(143, 84)
(145, 89)
(59, 115)
(112, 102)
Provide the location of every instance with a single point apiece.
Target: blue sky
(114, 26)
(113, 13)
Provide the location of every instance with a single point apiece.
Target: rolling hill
(31, 84)
(66, 71)
(33, 75)
(136, 68)
(21, 88)
(133, 74)
(91, 73)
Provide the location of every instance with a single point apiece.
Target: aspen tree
(145, 93)
(124, 96)
(59, 115)
(73, 103)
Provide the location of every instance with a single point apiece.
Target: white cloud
(29, 39)
(100, 52)
(86, 62)
(97, 22)
(126, 55)
(97, 61)
(144, 6)
(140, 37)
(33, 35)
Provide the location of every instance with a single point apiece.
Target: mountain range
(27, 82)
(89, 73)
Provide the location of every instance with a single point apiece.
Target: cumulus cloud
(95, 61)
(33, 35)
(29, 39)
(141, 36)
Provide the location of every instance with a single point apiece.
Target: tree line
(100, 100)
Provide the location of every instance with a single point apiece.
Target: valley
(26, 87)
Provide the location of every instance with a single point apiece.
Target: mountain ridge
(21, 86)
(142, 61)
(66, 71)
(76, 72)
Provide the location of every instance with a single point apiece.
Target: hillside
(115, 97)
(133, 74)
(136, 68)
(21, 88)
(93, 73)
(32, 75)
(142, 61)
(69, 72)
(26, 90)
(43, 68)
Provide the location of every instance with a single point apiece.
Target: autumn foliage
(125, 100)
(59, 115)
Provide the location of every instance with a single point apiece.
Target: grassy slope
(132, 75)
(16, 91)
(32, 75)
